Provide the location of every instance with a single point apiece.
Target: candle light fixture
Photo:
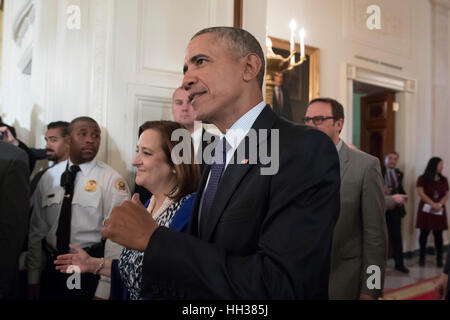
(276, 63)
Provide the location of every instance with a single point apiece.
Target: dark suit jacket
(400, 190)
(14, 207)
(286, 110)
(267, 236)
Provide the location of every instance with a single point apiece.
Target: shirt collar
(86, 167)
(242, 126)
(197, 136)
(339, 145)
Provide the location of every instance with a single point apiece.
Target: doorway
(373, 119)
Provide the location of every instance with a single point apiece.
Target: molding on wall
(145, 103)
(23, 20)
(25, 60)
(380, 79)
(376, 78)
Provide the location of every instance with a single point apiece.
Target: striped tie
(217, 167)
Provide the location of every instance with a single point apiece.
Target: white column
(440, 86)
(440, 78)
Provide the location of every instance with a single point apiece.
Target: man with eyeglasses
(360, 237)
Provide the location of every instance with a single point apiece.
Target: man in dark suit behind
(262, 236)
(393, 181)
(14, 206)
(281, 101)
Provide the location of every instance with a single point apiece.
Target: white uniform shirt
(98, 189)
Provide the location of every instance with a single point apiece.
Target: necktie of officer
(217, 167)
(65, 216)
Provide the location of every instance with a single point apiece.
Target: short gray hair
(240, 43)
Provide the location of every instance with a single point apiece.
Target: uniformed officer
(69, 205)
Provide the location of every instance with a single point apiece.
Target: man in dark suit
(393, 181)
(14, 206)
(254, 233)
(281, 101)
(8, 135)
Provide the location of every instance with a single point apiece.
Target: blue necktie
(220, 158)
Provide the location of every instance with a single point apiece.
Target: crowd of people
(318, 228)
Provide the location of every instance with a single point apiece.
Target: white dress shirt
(97, 190)
(234, 137)
(197, 138)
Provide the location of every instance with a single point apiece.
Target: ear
(339, 125)
(252, 66)
(67, 139)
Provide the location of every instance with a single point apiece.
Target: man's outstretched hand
(130, 225)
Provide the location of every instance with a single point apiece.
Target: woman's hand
(436, 206)
(80, 259)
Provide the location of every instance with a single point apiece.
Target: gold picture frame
(313, 54)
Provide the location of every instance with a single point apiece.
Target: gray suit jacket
(360, 238)
(14, 207)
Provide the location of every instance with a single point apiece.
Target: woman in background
(433, 188)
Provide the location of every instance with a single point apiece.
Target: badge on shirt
(120, 185)
(91, 186)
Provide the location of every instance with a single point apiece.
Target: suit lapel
(343, 159)
(234, 174)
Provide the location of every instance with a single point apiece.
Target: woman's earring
(173, 171)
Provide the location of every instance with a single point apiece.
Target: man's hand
(440, 286)
(387, 190)
(399, 199)
(8, 136)
(130, 225)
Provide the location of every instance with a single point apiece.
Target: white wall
(120, 67)
(148, 50)
(338, 29)
(17, 102)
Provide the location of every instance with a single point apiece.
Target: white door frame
(365, 75)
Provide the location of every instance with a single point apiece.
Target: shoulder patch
(120, 185)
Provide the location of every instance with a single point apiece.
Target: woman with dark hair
(433, 188)
(172, 186)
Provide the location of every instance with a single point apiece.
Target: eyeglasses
(317, 120)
